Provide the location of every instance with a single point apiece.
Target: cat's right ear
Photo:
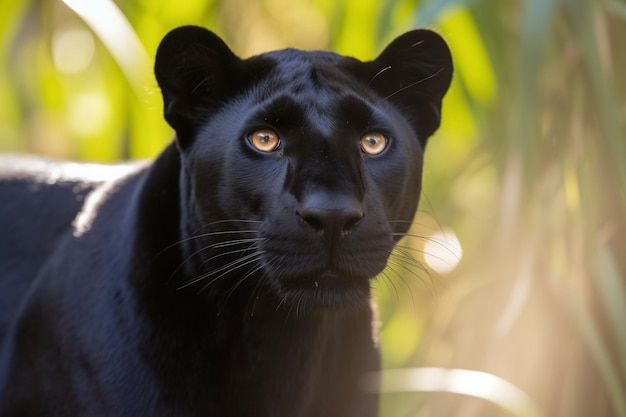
(413, 72)
(194, 69)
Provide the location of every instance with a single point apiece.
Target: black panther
(231, 275)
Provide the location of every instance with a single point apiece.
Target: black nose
(332, 215)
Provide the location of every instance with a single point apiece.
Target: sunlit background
(515, 302)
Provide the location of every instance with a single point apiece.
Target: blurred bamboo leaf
(462, 381)
(536, 21)
(430, 11)
(589, 330)
(123, 43)
(617, 7)
(598, 68)
(613, 293)
(473, 65)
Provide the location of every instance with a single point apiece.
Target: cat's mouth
(330, 288)
(305, 271)
(331, 275)
(334, 279)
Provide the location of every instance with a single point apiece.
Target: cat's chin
(325, 290)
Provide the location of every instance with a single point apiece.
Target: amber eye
(265, 140)
(373, 143)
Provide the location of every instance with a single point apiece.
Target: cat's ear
(414, 72)
(194, 69)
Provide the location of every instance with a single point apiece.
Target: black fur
(219, 280)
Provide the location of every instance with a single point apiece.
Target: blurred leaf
(618, 7)
(123, 43)
(599, 72)
(613, 292)
(537, 18)
(462, 381)
(600, 352)
(430, 10)
(472, 64)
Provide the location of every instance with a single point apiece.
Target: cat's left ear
(414, 72)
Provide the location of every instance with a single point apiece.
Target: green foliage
(528, 170)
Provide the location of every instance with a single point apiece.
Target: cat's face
(303, 168)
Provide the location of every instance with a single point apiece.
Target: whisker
(404, 281)
(219, 222)
(399, 221)
(432, 212)
(233, 264)
(404, 254)
(257, 288)
(232, 252)
(200, 236)
(387, 279)
(439, 242)
(216, 222)
(378, 73)
(247, 275)
(213, 246)
(253, 257)
(410, 265)
(223, 254)
(414, 84)
(282, 302)
(228, 243)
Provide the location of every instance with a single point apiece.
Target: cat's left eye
(373, 143)
(265, 140)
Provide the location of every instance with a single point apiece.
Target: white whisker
(414, 84)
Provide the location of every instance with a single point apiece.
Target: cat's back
(40, 200)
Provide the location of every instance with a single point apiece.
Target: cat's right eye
(265, 140)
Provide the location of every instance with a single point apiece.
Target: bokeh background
(514, 302)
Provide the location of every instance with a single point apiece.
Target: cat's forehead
(299, 70)
(311, 87)
(293, 58)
